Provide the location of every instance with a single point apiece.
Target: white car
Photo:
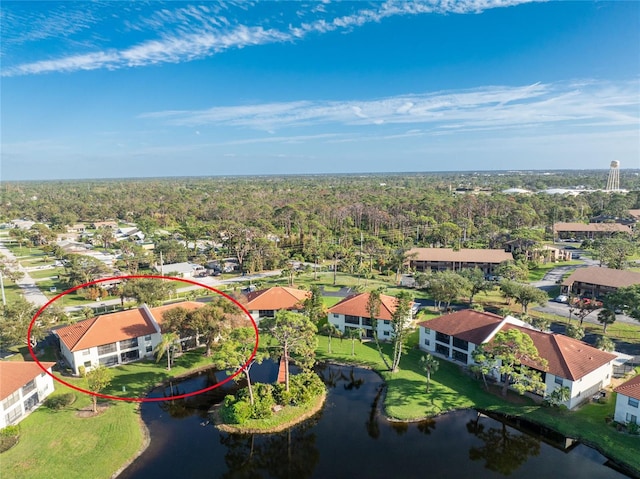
(563, 298)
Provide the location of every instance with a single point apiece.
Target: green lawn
(452, 389)
(61, 444)
(46, 273)
(12, 291)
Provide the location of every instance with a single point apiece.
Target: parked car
(563, 298)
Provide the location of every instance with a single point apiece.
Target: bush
(58, 402)
(281, 395)
(9, 437)
(633, 428)
(304, 387)
(263, 401)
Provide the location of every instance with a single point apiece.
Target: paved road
(31, 292)
(207, 280)
(562, 309)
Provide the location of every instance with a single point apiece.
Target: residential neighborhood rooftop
(630, 388)
(592, 227)
(615, 278)
(356, 305)
(106, 329)
(16, 374)
(278, 297)
(566, 357)
(464, 255)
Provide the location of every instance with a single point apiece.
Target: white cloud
(584, 103)
(186, 33)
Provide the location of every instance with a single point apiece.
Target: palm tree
(430, 365)
(331, 330)
(165, 346)
(353, 334)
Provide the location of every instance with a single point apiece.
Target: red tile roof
(464, 255)
(467, 324)
(592, 227)
(106, 329)
(276, 298)
(160, 310)
(615, 278)
(356, 305)
(15, 374)
(630, 388)
(566, 357)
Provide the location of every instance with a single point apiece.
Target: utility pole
(4, 299)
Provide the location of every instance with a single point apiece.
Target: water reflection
(349, 438)
(290, 454)
(504, 450)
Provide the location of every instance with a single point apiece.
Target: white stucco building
(352, 312)
(570, 363)
(115, 338)
(628, 401)
(23, 387)
(265, 303)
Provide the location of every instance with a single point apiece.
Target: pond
(349, 438)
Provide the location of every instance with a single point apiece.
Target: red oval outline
(141, 400)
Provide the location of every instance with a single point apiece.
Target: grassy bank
(62, 444)
(284, 419)
(452, 389)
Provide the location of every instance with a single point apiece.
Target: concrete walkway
(28, 285)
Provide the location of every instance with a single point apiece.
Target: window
(130, 356)
(633, 402)
(632, 418)
(385, 333)
(427, 342)
(109, 360)
(440, 349)
(427, 331)
(87, 364)
(27, 388)
(266, 313)
(387, 322)
(443, 338)
(129, 343)
(11, 416)
(147, 337)
(149, 349)
(336, 315)
(11, 400)
(351, 319)
(461, 344)
(86, 352)
(558, 380)
(366, 321)
(106, 349)
(458, 356)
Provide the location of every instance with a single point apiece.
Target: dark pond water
(349, 439)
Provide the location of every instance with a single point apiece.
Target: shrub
(9, 437)
(263, 401)
(281, 395)
(633, 428)
(304, 387)
(58, 402)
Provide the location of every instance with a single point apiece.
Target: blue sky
(138, 89)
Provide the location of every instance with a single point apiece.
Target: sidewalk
(28, 285)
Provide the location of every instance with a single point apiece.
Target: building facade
(628, 402)
(352, 313)
(584, 370)
(442, 259)
(23, 388)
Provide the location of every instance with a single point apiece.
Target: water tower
(613, 182)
